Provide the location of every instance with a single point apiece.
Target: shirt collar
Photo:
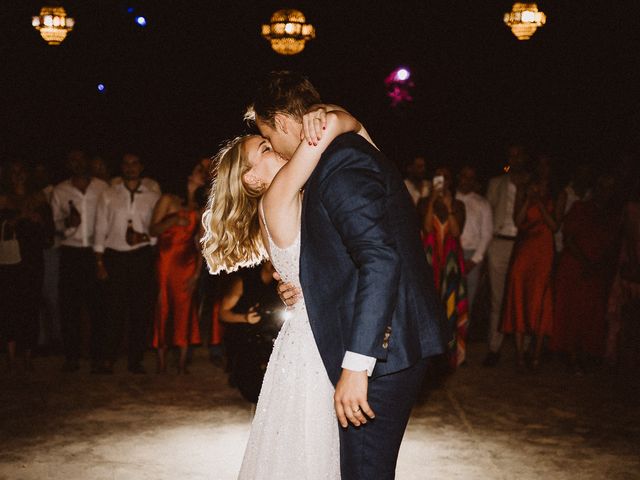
(142, 188)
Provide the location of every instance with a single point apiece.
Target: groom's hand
(350, 399)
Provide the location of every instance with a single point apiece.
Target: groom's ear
(281, 121)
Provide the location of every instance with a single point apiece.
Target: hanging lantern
(524, 19)
(53, 24)
(288, 32)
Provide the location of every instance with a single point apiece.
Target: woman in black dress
(26, 216)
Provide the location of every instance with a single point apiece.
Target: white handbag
(9, 249)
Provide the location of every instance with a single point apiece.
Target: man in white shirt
(416, 183)
(478, 229)
(73, 203)
(501, 194)
(124, 259)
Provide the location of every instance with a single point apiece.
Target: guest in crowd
(176, 224)
(99, 169)
(584, 274)
(528, 305)
(74, 203)
(149, 183)
(124, 259)
(623, 338)
(416, 181)
(501, 194)
(443, 224)
(251, 309)
(578, 189)
(209, 286)
(50, 334)
(26, 230)
(478, 228)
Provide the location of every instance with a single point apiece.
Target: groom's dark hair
(282, 92)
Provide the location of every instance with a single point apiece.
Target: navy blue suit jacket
(367, 285)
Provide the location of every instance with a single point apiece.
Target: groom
(368, 289)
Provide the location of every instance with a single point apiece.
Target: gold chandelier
(53, 24)
(524, 19)
(288, 32)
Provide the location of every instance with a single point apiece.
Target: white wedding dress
(294, 434)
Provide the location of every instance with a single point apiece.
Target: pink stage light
(399, 84)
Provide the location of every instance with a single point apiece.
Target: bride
(254, 212)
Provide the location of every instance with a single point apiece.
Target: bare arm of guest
(427, 222)
(230, 300)
(457, 214)
(548, 217)
(162, 218)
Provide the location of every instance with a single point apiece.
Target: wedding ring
(355, 410)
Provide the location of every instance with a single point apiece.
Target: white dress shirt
(478, 224)
(502, 197)
(86, 204)
(417, 193)
(116, 207)
(358, 362)
(150, 183)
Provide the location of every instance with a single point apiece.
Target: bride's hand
(288, 293)
(313, 123)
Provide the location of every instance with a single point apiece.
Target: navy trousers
(370, 452)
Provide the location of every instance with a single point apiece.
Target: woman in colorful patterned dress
(442, 226)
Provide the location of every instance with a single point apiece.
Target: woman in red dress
(585, 271)
(176, 223)
(528, 305)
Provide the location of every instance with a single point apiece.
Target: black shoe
(137, 370)
(70, 366)
(491, 360)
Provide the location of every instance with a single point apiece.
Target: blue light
(141, 21)
(130, 10)
(101, 87)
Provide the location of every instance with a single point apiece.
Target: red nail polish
(324, 128)
(310, 143)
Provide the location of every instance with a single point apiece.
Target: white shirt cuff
(358, 362)
(98, 248)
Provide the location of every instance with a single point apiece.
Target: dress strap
(264, 221)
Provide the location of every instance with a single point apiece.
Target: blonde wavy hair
(232, 236)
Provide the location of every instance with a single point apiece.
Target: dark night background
(178, 87)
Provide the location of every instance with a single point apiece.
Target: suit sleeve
(354, 196)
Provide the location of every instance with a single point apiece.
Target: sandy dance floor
(483, 424)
